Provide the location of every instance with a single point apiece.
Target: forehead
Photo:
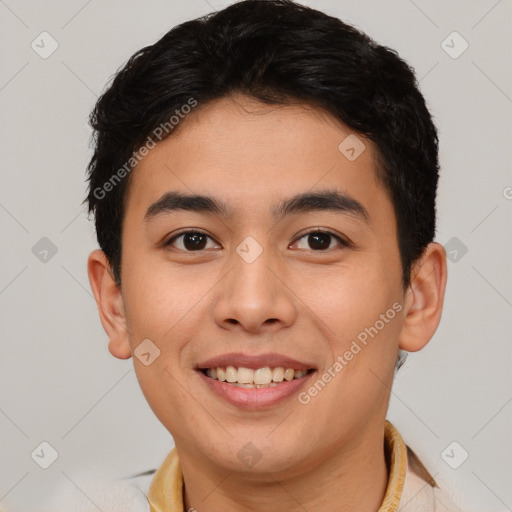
(248, 152)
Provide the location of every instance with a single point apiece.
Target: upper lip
(254, 361)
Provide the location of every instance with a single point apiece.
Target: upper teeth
(262, 376)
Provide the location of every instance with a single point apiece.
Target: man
(263, 185)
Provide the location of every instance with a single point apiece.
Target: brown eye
(190, 241)
(321, 241)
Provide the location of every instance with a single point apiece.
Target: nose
(253, 297)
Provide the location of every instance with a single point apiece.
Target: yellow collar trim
(397, 452)
(166, 490)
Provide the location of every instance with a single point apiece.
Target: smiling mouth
(254, 378)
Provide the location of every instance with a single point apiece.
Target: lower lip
(255, 398)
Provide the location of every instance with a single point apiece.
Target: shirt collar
(166, 490)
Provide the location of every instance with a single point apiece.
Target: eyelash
(342, 242)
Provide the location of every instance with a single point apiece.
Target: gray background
(60, 384)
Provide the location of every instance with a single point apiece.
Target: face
(289, 262)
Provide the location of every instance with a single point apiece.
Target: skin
(326, 455)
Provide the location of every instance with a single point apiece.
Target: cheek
(165, 306)
(361, 319)
(161, 300)
(164, 392)
(350, 300)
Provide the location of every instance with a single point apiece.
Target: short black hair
(280, 53)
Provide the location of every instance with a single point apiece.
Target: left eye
(321, 240)
(190, 241)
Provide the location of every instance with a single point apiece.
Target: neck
(351, 478)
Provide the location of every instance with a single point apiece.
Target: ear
(424, 299)
(110, 304)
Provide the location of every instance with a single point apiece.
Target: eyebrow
(327, 200)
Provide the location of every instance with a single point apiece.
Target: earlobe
(424, 299)
(110, 304)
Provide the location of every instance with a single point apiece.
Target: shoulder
(99, 489)
(421, 493)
